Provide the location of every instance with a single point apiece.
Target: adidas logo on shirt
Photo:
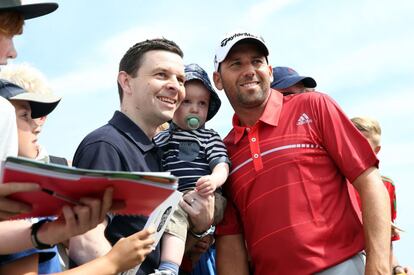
(303, 119)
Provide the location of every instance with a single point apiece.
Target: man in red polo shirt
(291, 157)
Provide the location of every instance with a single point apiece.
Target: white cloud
(396, 155)
(260, 12)
(85, 80)
(97, 71)
(118, 44)
(369, 63)
(385, 105)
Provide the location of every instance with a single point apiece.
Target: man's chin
(166, 117)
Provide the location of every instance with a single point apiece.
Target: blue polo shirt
(121, 145)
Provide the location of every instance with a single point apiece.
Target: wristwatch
(203, 234)
(33, 235)
(396, 270)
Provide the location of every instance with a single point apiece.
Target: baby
(197, 156)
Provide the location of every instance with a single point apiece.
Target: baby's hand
(206, 185)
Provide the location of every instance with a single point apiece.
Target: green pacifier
(193, 122)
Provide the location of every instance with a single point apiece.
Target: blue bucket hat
(195, 72)
(284, 77)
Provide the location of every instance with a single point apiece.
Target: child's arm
(125, 254)
(206, 185)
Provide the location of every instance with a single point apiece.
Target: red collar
(270, 116)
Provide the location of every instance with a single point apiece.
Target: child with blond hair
(371, 129)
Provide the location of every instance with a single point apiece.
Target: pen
(60, 196)
(396, 227)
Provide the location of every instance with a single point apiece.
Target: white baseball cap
(230, 40)
(40, 103)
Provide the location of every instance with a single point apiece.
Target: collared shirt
(287, 187)
(121, 145)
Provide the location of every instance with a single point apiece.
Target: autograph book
(61, 185)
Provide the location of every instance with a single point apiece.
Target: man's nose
(174, 84)
(249, 71)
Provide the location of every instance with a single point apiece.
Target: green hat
(28, 11)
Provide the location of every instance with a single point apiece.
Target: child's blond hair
(369, 126)
(26, 77)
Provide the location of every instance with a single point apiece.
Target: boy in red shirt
(371, 129)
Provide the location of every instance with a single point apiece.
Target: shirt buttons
(256, 156)
(253, 139)
(248, 129)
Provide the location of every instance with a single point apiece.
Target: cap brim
(308, 82)
(255, 41)
(214, 106)
(30, 11)
(42, 109)
(36, 97)
(41, 104)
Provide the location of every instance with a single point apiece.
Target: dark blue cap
(284, 77)
(195, 72)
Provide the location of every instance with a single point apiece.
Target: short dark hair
(132, 59)
(11, 23)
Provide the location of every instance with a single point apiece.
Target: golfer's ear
(217, 81)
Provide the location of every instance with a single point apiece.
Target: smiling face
(28, 130)
(195, 103)
(154, 94)
(245, 77)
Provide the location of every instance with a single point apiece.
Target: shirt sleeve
(341, 139)
(389, 184)
(44, 255)
(99, 155)
(216, 151)
(8, 140)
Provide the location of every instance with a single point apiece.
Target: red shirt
(287, 188)
(389, 185)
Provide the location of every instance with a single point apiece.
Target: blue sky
(359, 51)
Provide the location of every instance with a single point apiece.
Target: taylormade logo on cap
(230, 40)
(244, 34)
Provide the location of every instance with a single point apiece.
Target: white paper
(158, 220)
